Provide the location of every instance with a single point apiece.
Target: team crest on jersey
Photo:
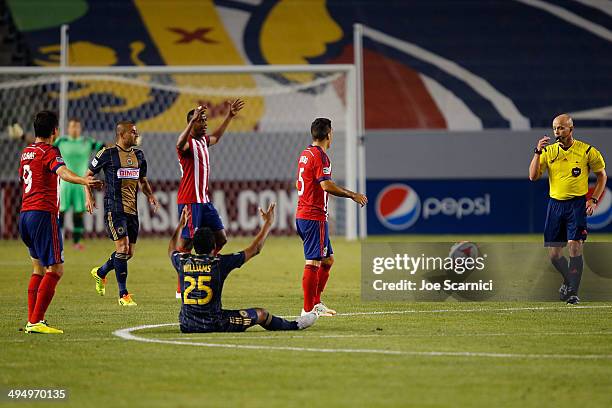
(304, 159)
(129, 161)
(128, 173)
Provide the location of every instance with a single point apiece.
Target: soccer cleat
(323, 310)
(42, 327)
(126, 300)
(304, 322)
(573, 300)
(303, 313)
(563, 295)
(100, 282)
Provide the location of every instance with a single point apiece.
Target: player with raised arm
(314, 184)
(40, 165)
(203, 274)
(125, 170)
(192, 150)
(75, 150)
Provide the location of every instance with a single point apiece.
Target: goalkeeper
(75, 150)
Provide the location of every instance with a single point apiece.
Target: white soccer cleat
(307, 320)
(303, 313)
(323, 310)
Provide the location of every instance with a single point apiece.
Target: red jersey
(313, 167)
(195, 170)
(39, 162)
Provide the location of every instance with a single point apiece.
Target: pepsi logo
(602, 215)
(398, 206)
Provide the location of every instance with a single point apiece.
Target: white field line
(127, 334)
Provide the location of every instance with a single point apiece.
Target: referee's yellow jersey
(568, 170)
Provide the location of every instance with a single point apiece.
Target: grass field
(373, 354)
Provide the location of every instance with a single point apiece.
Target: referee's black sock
(277, 323)
(560, 265)
(574, 274)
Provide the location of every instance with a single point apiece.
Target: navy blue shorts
(120, 224)
(229, 321)
(315, 235)
(565, 220)
(40, 232)
(202, 215)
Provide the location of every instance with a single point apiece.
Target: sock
(574, 274)
(32, 294)
(309, 286)
(46, 290)
(561, 265)
(61, 220)
(277, 323)
(121, 272)
(77, 231)
(322, 276)
(108, 266)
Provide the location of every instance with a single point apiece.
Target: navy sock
(121, 272)
(575, 273)
(77, 231)
(107, 267)
(277, 323)
(560, 265)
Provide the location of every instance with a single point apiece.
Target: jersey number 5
(27, 178)
(301, 182)
(201, 287)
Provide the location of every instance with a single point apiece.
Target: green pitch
(416, 354)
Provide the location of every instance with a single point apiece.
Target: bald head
(564, 119)
(563, 127)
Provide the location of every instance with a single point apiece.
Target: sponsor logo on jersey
(128, 173)
(327, 170)
(59, 159)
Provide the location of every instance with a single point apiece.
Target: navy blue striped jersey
(122, 170)
(202, 279)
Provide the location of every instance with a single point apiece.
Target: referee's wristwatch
(594, 200)
(536, 151)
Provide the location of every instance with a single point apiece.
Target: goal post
(253, 165)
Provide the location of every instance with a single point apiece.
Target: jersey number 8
(201, 286)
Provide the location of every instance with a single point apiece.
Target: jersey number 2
(201, 287)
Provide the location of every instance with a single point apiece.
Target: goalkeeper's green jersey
(76, 152)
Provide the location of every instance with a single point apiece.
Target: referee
(568, 162)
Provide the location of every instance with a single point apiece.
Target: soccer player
(125, 169)
(40, 166)
(314, 184)
(568, 162)
(75, 151)
(192, 149)
(202, 276)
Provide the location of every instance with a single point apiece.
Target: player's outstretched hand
(235, 106)
(268, 216)
(184, 216)
(154, 203)
(360, 199)
(90, 204)
(94, 183)
(197, 115)
(543, 142)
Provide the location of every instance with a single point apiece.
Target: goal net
(254, 164)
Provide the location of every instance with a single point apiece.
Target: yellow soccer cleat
(42, 327)
(126, 300)
(100, 282)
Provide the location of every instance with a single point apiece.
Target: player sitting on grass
(202, 276)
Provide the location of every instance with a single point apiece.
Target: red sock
(32, 293)
(178, 285)
(46, 290)
(323, 275)
(309, 285)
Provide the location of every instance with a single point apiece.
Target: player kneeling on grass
(202, 276)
